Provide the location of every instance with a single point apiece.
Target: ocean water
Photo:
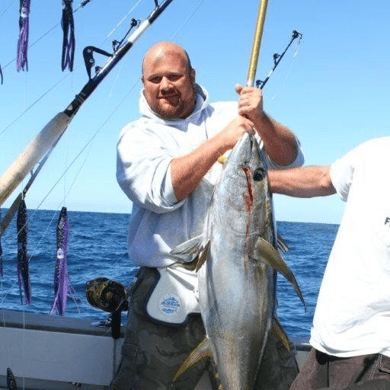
(98, 247)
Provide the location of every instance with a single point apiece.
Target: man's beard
(171, 112)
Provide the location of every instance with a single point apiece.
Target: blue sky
(333, 92)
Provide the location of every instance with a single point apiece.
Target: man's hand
(234, 131)
(279, 141)
(250, 102)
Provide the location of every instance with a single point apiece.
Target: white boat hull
(52, 352)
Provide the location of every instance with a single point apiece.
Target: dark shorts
(152, 351)
(322, 371)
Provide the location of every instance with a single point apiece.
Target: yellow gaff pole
(256, 43)
(255, 52)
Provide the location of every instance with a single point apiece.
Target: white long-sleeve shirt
(146, 148)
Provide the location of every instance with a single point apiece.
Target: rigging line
(33, 251)
(123, 19)
(76, 176)
(35, 42)
(6, 8)
(188, 18)
(14, 207)
(86, 145)
(35, 102)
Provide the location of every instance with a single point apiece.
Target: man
(168, 166)
(350, 333)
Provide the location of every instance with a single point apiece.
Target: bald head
(160, 49)
(169, 81)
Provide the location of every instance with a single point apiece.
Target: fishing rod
(4, 223)
(277, 58)
(52, 132)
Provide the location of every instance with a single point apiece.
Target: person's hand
(250, 102)
(235, 130)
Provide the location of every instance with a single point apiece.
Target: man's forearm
(305, 182)
(280, 143)
(187, 171)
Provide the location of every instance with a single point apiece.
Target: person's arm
(304, 182)
(280, 143)
(187, 171)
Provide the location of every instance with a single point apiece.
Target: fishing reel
(106, 294)
(110, 296)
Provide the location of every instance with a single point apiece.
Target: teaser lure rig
(69, 41)
(39, 150)
(52, 132)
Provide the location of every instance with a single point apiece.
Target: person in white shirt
(168, 166)
(350, 332)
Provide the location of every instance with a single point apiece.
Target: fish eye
(259, 174)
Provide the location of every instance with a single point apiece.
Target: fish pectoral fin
(192, 253)
(190, 266)
(280, 334)
(265, 252)
(202, 256)
(201, 352)
(188, 250)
